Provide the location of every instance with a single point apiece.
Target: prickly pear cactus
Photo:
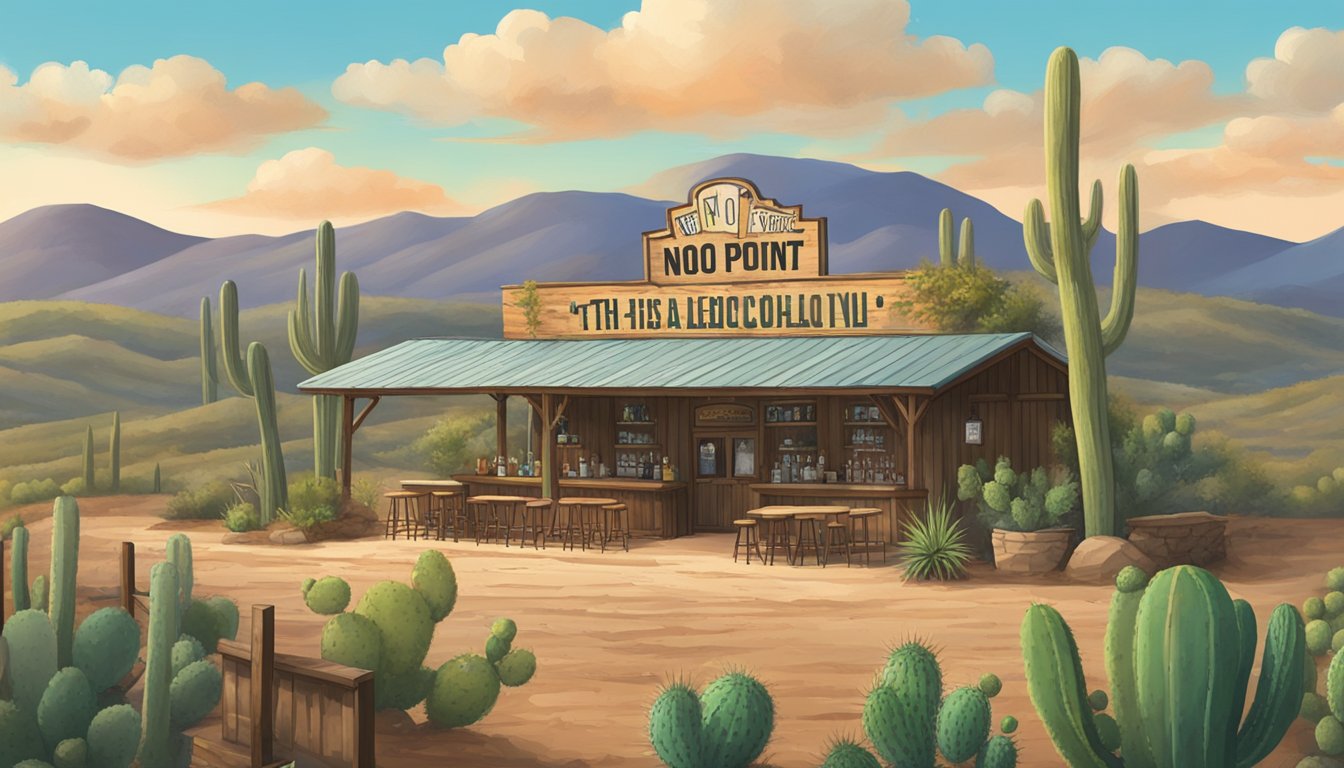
(465, 690)
(327, 596)
(846, 753)
(107, 644)
(998, 752)
(963, 724)
(32, 648)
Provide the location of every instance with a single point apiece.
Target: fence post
(364, 724)
(262, 710)
(128, 577)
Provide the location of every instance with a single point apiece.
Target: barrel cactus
(1183, 632)
(390, 631)
(963, 724)
(725, 726)
(847, 753)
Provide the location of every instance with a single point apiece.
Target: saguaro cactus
(155, 747)
(114, 452)
(209, 371)
(965, 253)
(64, 569)
(88, 460)
(325, 341)
(158, 480)
(1060, 253)
(252, 378)
(18, 570)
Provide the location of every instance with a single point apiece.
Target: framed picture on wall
(744, 457)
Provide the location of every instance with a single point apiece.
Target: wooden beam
(364, 414)
(914, 410)
(364, 724)
(347, 443)
(889, 413)
(900, 406)
(262, 711)
(988, 398)
(559, 412)
(128, 577)
(923, 406)
(502, 426)
(1042, 396)
(550, 473)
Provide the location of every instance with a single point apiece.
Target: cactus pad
(19, 739)
(32, 640)
(1130, 579)
(1009, 724)
(998, 752)
(327, 596)
(1098, 700)
(402, 691)
(114, 736)
(1334, 604)
(675, 727)
(963, 724)
(1313, 608)
(1330, 736)
(194, 693)
(1108, 730)
(71, 753)
(990, 684)
(464, 691)
(517, 667)
(434, 579)
(307, 585)
(1334, 685)
(204, 623)
(737, 718)
(403, 622)
(495, 648)
(1334, 580)
(1318, 637)
(505, 629)
(107, 644)
(1313, 707)
(185, 652)
(352, 640)
(67, 707)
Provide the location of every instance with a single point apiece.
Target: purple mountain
(877, 221)
(47, 251)
(1309, 276)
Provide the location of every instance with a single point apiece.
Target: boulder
(1185, 538)
(1098, 559)
(288, 536)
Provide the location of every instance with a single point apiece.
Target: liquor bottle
(776, 474)
(583, 466)
(667, 470)
(809, 471)
(821, 467)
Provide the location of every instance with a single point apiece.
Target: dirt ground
(607, 629)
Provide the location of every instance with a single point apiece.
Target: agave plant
(935, 547)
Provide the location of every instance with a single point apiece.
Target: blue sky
(307, 45)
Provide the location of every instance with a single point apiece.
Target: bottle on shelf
(776, 474)
(501, 466)
(821, 467)
(666, 476)
(583, 466)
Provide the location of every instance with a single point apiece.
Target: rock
(288, 536)
(1030, 552)
(352, 526)
(1186, 538)
(1098, 559)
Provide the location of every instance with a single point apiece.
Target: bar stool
(809, 536)
(748, 538)
(837, 534)
(403, 514)
(446, 511)
(482, 520)
(535, 514)
(777, 535)
(614, 522)
(861, 516)
(576, 520)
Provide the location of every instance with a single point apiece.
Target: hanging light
(975, 430)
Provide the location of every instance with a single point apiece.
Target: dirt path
(608, 629)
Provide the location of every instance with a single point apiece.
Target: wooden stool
(614, 522)
(748, 538)
(481, 516)
(514, 517)
(861, 516)
(809, 536)
(837, 533)
(777, 536)
(446, 511)
(535, 509)
(403, 514)
(576, 520)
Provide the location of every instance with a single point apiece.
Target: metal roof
(745, 363)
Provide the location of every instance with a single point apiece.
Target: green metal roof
(830, 362)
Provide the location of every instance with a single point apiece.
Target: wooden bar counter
(896, 502)
(655, 509)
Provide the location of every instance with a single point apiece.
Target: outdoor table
(431, 485)
(782, 514)
(495, 503)
(582, 505)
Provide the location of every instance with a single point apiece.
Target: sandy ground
(608, 629)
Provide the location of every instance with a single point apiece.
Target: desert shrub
(7, 527)
(367, 491)
(307, 517)
(935, 547)
(241, 518)
(206, 502)
(1324, 498)
(5, 488)
(73, 487)
(1029, 501)
(451, 445)
(34, 491)
(311, 492)
(974, 299)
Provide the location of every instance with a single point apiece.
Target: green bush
(34, 491)
(450, 445)
(7, 527)
(241, 518)
(307, 518)
(73, 487)
(1324, 498)
(367, 491)
(207, 502)
(311, 493)
(973, 299)
(1017, 502)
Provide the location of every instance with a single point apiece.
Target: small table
(583, 504)
(780, 515)
(508, 503)
(431, 485)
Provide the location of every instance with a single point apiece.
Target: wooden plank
(284, 708)
(364, 733)
(348, 728)
(313, 738)
(303, 724)
(262, 709)
(333, 732)
(501, 425)
(347, 443)
(364, 414)
(228, 701)
(320, 669)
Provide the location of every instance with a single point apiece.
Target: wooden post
(128, 577)
(501, 425)
(550, 473)
(347, 443)
(262, 711)
(364, 723)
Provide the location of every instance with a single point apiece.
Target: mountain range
(876, 221)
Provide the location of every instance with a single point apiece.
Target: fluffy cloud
(176, 107)
(718, 67)
(1306, 73)
(308, 184)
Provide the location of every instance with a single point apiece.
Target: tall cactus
(18, 571)
(64, 569)
(1179, 654)
(325, 341)
(964, 255)
(252, 378)
(179, 555)
(88, 460)
(114, 452)
(158, 479)
(209, 371)
(155, 739)
(1060, 252)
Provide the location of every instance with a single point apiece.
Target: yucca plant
(936, 547)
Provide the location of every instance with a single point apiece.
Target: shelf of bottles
(792, 437)
(868, 440)
(639, 455)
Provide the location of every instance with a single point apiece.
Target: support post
(364, 723)
(128, 577)
(550, 473)
(502, 425)
(262, 711)
(347, 443)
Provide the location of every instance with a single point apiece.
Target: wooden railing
(317, 709)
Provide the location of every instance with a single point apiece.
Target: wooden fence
(318, 711)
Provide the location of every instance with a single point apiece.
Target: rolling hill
(1309, 276)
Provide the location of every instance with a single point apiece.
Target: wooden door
(724, 465)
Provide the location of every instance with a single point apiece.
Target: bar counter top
(606, 483)
(835, 489)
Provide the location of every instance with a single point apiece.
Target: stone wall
(1186, 538)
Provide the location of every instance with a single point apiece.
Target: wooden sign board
(728, 232)
(729, 263)
(720, 414)
(835, 305)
